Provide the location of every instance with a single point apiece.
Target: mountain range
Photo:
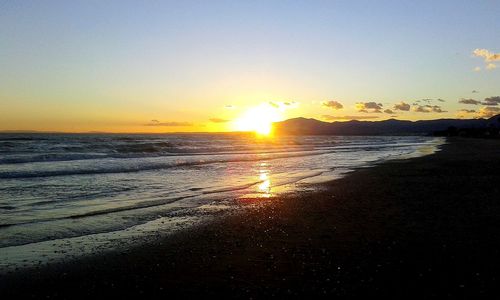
(304, 126)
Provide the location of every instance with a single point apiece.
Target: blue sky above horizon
(90, 65)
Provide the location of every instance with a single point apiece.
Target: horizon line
(32, 131)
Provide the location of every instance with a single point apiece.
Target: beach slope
(427, 226)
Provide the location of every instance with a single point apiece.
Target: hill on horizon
(305, 126)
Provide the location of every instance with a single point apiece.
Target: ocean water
(62, 189)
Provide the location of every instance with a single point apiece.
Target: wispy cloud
(275, 105)
(474, 92)
(284, 105)
(466, 113)
(334, 118)
(402, 106)
(219, 120)
(333, 104)
(369, 107)
(492, 101)
(428, 109)
(469, 101)
(229, 106)
(168, 124)
(488, 111)
(491, 66)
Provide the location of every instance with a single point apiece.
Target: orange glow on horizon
(258, 119)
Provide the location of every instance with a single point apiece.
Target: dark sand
(420, 227)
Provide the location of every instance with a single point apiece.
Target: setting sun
(258, 119)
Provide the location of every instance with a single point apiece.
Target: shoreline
(375, 231)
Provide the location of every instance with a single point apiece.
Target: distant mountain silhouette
(303, 126)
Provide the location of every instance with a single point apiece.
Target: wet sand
(427, 226)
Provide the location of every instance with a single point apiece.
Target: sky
(164, 66)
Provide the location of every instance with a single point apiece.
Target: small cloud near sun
(275, 105)
(402, 106)
(333, 104)
(168, 124)
(283, 105)
(428, 109)
(369, 107)
(488, 111)
(466, 113)
(219, 120)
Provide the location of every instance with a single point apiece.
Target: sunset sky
(161, 66)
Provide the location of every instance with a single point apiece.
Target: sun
(258, 119)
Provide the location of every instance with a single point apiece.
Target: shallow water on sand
(56, 188)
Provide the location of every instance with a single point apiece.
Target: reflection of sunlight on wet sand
(265, 186)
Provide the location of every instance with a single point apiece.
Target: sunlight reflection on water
(265, 186)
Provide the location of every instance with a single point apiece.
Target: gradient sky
(149, 66)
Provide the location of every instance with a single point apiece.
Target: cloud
(487, 55)
(168, 124)
(369, 107)
(474, 92)
(488, 112)
(467, 111)
(333, 104)
(388, 111)
(332, 118)
(469, 101)
(477, 69)
(402, 106)
(218, 120)
(492, 101)
(491, 66)
(275, 105)
(229, 106)
(428, 109)
(290, 104)
(430, 100)
(283, 105)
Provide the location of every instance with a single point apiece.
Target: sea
(67, 195)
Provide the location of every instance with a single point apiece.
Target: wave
(153, 203)
(128, 167)
(141, 152)
(95, 163)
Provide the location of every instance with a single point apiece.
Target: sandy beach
(420, 227)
